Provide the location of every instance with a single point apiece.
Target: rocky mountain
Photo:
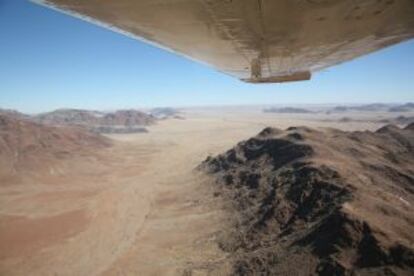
(319, 202)
(126, 118)
(70, 117)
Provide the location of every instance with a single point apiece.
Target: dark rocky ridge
(319, 202)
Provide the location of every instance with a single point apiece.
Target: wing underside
(256, 40)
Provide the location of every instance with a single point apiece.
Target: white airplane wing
(256, 40)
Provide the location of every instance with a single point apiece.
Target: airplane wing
(258, 41)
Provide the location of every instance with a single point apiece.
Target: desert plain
(138, 206)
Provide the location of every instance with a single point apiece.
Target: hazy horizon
(148, 108)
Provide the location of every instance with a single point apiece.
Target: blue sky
(50, 60)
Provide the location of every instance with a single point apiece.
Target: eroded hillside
(26, 146)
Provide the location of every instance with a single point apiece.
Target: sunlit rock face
(319, 202)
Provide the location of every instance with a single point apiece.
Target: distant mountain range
(403, 108)
(126, 118)
(287, 110)
(120, 121)
(376, 107)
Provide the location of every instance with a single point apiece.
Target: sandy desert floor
(139, 208)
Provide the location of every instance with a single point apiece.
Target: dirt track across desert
(136, 208)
